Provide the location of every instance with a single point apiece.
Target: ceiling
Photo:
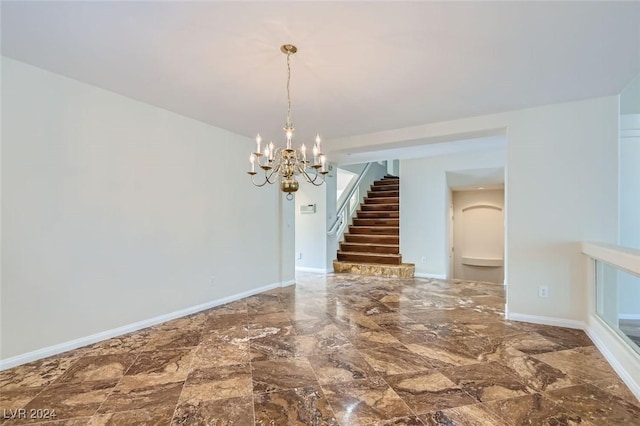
(361, 67)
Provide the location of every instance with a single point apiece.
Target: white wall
(311, 240)
(629, 207)
(287, 235)
(561, 189)
(562, 172)
(630, 97)
(331, 247)
(311, 229)
(424, 206)
(114, 211)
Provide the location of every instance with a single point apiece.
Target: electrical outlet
(543, 291)
(213, 281)
(423, 259)
(299, 255)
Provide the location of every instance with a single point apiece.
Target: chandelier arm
(309, 179)
(273, 172)
(259, 184)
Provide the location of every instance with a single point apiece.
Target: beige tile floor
(333, 350)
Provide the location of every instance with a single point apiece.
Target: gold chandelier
(287, 163)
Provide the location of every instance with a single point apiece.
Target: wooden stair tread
(373, 226)
(379, 238)
(369, 254)
(378, 194)
(380, 221)
(375, 189)
(375, 214)
(375, 230)
(376, 244)
(369, 247)
(370, 207)
(382, 200)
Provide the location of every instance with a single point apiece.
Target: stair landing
(403, 270)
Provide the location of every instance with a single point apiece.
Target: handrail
(624, 258)
(340, 212)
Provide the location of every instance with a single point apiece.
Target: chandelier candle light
(287, 163)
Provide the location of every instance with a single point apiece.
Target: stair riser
(372, 230)
(378, 214)
(376, 222)
(378, 194)
(369, 248)
(382, 200)
(373, 239)
(353, 257)
(377, 207)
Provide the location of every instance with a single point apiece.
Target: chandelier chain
(288, 90)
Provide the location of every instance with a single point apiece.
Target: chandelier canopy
(288, 163)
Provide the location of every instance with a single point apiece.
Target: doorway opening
(477, 227)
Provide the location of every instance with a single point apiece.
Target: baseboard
(314, 270)
(433, 276)
(129, 328)
(624, 360)
(629, 316)
(287, 283)
(537, 319)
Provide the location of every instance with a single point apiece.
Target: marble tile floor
(332, 350)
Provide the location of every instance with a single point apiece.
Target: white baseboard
(314, 270)
(287, 283)
(629, 316)
(536, 319)
(434, 276)
(114, 332)
(624, 360)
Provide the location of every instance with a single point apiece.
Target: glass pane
(618, 302)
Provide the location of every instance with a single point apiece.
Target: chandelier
(288, 163)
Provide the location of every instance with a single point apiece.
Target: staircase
(372, 245)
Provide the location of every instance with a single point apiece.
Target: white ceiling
(361, 67)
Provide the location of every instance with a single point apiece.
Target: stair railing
(346, 205)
